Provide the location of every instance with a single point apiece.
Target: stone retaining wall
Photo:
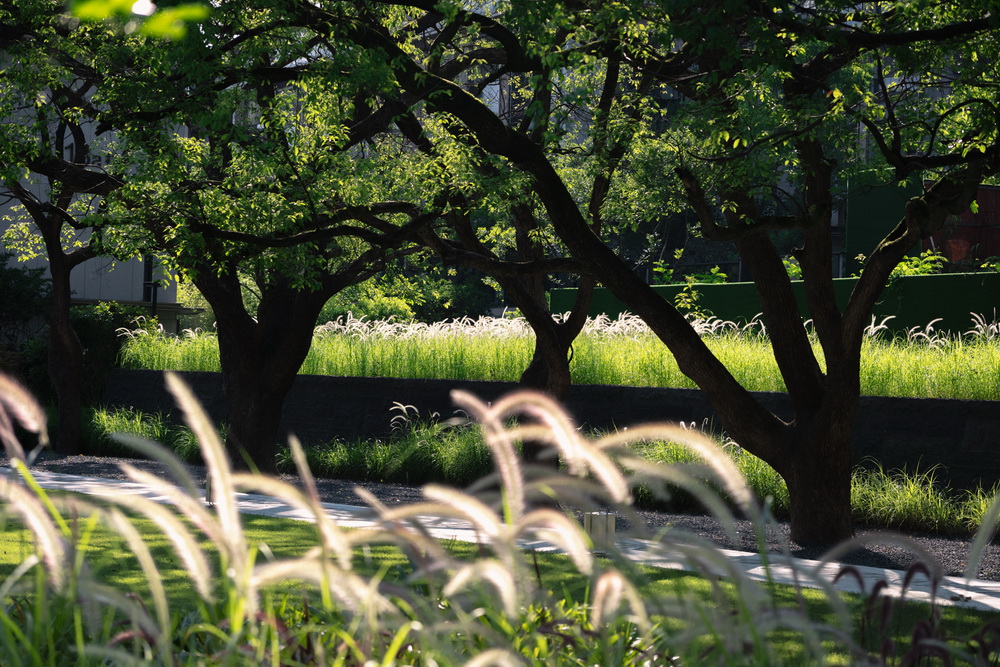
(963, 437)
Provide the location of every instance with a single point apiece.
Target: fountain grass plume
(18, 405)
(493, 606)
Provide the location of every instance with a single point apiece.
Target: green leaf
(98, 10)
(172, 23)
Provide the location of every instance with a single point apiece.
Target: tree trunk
(65, 362)
(260, 359)
(548, 370)
(817, 472)
(255, 403)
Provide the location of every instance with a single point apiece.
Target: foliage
(25, 301)
(928, 262)
(793, 268)
(169, 22)
(188, 296)
(991, 264)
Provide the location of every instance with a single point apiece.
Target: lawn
(673, 599)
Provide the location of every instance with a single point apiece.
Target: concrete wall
(961, 436)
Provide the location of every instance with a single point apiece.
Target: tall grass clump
(104, 426)
(193, 350)
(491, 607)
(486, 348)
(419, 450)
(922, 363)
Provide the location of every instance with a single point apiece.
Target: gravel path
(951, 553)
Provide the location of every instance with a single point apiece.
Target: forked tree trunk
(548, 370)
(260, 359)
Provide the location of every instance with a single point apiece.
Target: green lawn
(671, 597)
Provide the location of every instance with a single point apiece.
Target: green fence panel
(911, 301)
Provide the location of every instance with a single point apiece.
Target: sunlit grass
(623, 352)
(273, 537)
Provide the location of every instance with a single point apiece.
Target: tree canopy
(310, 141)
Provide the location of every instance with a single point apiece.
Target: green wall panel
(913, 301)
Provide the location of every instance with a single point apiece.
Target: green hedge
(913, 300)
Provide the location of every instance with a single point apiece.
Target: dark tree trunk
(260, 359)
(254, 404)
(65, 361)
(817, 468)
(548, 370)
(818, 477)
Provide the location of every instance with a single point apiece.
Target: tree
(235, 151)
(771, 91)
(256, 166)
(46, 155)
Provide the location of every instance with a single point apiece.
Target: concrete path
(983, 595)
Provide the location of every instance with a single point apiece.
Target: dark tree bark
(260, 360)
(65, 360)
(65, 352)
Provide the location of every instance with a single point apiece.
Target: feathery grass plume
(351, 590)
(718, 461)
(302, 468)
(578, 453)
(984, 329)
(333, 539)
(237, 567)
(401, 526)
(609, 590)
(498, 574)
(50, 540)
(18, 405)
(495, 657)
(660, 478)
(189, 507)
(187, 548)
(465, 506)
(124, 528)
(157, 452)
(501, 445)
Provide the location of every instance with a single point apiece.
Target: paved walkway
(984, 595)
